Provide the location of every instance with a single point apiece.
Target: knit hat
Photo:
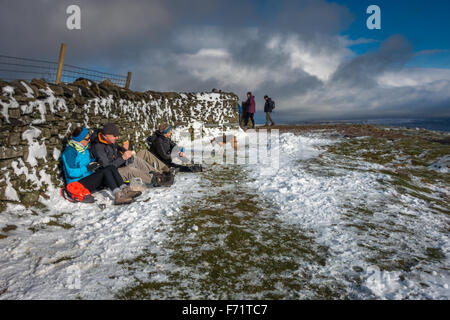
(164, 128)
(110, 128)
(81, 136)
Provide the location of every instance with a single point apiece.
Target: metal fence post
(62, 53)
(127, 86)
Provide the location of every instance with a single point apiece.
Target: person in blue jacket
(79, 166)
(240, 113)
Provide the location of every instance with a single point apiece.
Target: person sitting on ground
(130, 165)
(166, 150)
(84, 176)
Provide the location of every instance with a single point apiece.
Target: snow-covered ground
(358, 237)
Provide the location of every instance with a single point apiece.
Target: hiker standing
(251, 106)
(268, 108)
(244, 113)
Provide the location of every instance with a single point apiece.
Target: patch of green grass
(9, 227)
(36, 228)
(215, 260)
(435, 254)
(62, 259)
(60, 215)
(57, 224)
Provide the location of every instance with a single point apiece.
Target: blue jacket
(75, 164)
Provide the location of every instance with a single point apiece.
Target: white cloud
(412, 77)
(312, 56)
(218, 64)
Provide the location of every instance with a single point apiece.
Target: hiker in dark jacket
(251, 107)
(268, 108)
(129, 164)
(84, 175)
(166, 150)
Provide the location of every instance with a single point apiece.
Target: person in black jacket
(268, 108)
(166, 150)
(129, 164)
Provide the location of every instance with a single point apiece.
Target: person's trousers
(247, 116)
(269, 118)
(144, 163)
(107, 177)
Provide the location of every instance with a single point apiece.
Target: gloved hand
(93, 166)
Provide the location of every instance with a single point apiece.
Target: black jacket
(106, 153)
(268, 106)
(161, 146)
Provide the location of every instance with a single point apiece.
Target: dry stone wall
(35, 117)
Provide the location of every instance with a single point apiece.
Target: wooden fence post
(127, 86)
(62, 53)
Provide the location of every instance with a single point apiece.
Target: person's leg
(269, 114)
(253, 120)
(149, 160)
(181, 168)
(267, 119)
(128, 173)
(112, 178)
(246, 119)
(93, 181)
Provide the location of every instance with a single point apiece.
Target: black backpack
(272, 104)
(150, 140)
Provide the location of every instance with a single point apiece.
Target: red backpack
(75, 192)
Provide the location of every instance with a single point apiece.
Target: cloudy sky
(317, 59)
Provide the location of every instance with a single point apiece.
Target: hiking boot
(88, 199)
(132, 193)
(121, 197)
(174, 170)
(156, 181)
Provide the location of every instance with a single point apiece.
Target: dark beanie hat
(163, 127)
(110, 128)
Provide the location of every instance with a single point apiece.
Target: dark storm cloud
(109, 29)
(361, 71)
(309, 17)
